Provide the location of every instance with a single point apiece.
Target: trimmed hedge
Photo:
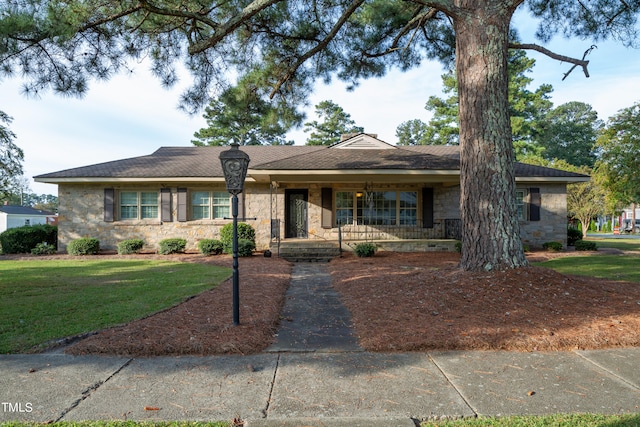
(172, 246)
(245, 232)
(210, 247)
(552, 246)
(573, 235)
(84, 246)
(583, 245)
(365, 249)
(246, 247)
(44, 249)
(132, 246)
(22, 240)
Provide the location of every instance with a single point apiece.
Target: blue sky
(133, 115)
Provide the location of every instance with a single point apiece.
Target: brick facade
(81, 214)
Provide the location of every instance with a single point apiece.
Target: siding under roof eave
(304, 176)
(121, 180)
(553, 179)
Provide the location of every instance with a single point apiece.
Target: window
(200, 205)
(344, 207)
(520, 204)
(138, 205)
(377, 207)
(210, 205)
(408, 208)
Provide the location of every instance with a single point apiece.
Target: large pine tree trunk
(491, 232)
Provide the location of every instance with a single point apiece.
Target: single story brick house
(360, 188)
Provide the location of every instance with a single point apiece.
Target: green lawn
(578, 420)
(622, 244)
(614, 267)
(42, 300)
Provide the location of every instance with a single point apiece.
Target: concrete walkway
(322, 379)
(313, 318)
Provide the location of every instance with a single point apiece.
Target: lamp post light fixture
(234, 166)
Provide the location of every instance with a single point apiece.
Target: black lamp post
(234, 166)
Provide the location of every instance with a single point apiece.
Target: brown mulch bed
(399, 302)
(203, 325)
(406, 302)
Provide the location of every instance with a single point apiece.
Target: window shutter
(327, 207)
(534, 204)
(427, 207)
(109, 204)
(165, 204)
(182, 204)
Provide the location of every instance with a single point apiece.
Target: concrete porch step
(307, 251)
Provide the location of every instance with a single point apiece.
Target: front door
(295, 207)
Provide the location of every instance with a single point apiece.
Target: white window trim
(139, 205)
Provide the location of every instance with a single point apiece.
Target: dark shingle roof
(177, 162)
(366, 159)
(203, 162)
(23, 210)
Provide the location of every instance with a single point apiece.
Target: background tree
(11, 158)
(619, 145)
(412, 132)
(291, 44)
(569, 132)
(443, 128)
(334, 123)
(527, 110)
(244, 116)
(45, 202)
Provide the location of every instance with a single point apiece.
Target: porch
(405, 238)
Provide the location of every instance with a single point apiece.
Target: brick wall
(81, 214)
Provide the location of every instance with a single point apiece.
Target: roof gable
(363, 141)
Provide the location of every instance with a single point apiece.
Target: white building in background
(18, 216)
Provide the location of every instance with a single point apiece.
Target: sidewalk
(318, 389)
(293, 385)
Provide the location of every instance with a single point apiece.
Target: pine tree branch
(576, 62)
(231, 25)
(414, 24)
(317, 48)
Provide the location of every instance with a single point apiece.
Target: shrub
(573, 235)
(44, 249)
(458, 247)
(583, 245)
(172, 246)
(246, 247)
(84, 246)
(132, 246)
(21, 240)
(552, 246)
(365, 249)
(210, 247)
(245, 231)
